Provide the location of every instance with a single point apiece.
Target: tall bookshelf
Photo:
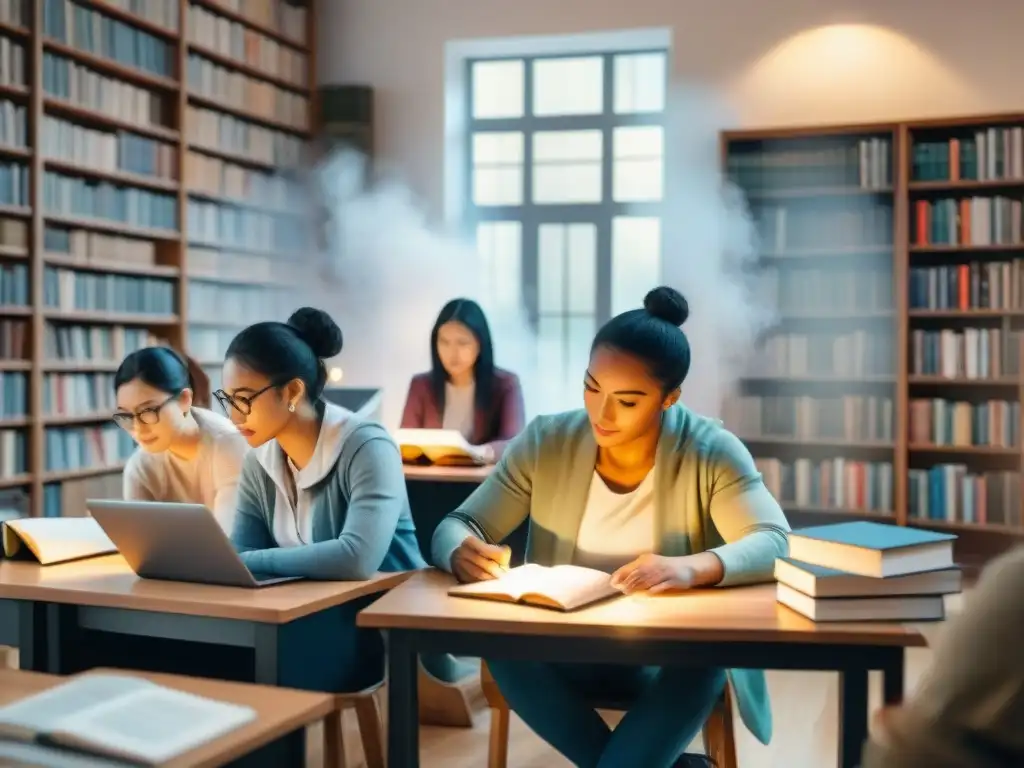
(144, 198)
(890, 387)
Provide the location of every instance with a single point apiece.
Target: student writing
(639, 486)
(187, 454)
(464, 390)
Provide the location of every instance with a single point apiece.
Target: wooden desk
(280, 713)
(732, 628)
(447, 474)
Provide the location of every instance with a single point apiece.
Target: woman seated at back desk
(639, 486)
(322, 496)
(188, 454)
(464, 390)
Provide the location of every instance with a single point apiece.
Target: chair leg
(497, 748)
(719, 736)
(371, 731)
(334, 741)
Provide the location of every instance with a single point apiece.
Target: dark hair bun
(667, 304)
(318, 330)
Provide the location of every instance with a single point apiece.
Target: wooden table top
(108, 582)
(279, 711)
(447, 474)
(741, 614)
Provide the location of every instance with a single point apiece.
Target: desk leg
(289, 750)
(892, 678)
(32, 636)
(853, 716)
(265, 657)
(403, 707)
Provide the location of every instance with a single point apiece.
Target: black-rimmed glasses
(149, 416)
(241, 403)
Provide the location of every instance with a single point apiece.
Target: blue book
(871, 549)
(821, 582)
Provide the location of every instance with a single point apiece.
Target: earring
(291, 407)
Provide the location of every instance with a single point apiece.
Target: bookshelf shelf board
(14, 30)
(144, 181)
(213, 322)
(248, 69)
(56, 476)
(110, 318)
(239, 249)
(966, 185)
(807, 192)
(220, 10)
(123, 268)
(114, 227)
(13, 252)
(83, 366)
(943, 381)
(11, 91)
(21, 211)
(15, 365)
(235, 202)
(210, 102)
(838, 511)
(14, 422)
(823, 379)
(233, 157)
(115, 12)
(981, 450)
(819, 442)
(253, 282)
(963, 314)
(15, 481)
(111, 68)
(86, 115)
(828, 253)
(65, 420)
(963, 525)
(853, 314)
(7, 151)
(15, 311)
(966, 249)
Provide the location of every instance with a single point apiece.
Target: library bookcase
(144, 199)
(890, 386)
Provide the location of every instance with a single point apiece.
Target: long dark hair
(468, 313)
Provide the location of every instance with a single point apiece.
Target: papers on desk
(561, 587)
(437, 446)
(51, 540)
(120, 717)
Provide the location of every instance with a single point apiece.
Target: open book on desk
(437, 446)
(51, 540)
(561, 587)
(121, 717)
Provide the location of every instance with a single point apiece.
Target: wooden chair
(719, 737)
(371, 728)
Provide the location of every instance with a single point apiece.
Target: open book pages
(563, 587)
(438, 446)
(22, 755)
(122, 717)
(56, 539)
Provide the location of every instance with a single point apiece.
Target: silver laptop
(175, 542)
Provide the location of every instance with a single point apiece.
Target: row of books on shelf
(851, 417)
(78, 394)
(159, 12)
(220, 178)
(223, 265)
(71, 290)
(13, 285)
(15, 13)
(783, 229)
(221, 224)
(221, 132)
(13, 183)
(13, 232)
(970, 353)
(240, 91)
(12, 62)
(936, 421)
(247, 46)
(71, 448)
(87, 247)
(13, 124)
(953, 493)
(110, 151)
(991, 154)
(13, 453)
(13, 395)
(868, 571)
(834, 483)
(68, 497)
(285, 18)
(829, 290)
(975, 285)
(977, 220)
(865, 165)
(238, 305)
(842, 355)
(210, 344)
(94, 343)
(73, 196)
(13, 338)
(86, 29)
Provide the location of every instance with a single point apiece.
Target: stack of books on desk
(863, 571)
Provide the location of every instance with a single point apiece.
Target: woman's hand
(477, 560)
(657, 573)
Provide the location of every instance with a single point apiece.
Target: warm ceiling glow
(334, 374)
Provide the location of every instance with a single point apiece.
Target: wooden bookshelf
(143, 199)
(917, 420)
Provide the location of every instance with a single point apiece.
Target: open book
(438, 446)
(55, 539)
(562, 587)
(122, 717)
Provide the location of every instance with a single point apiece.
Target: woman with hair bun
(659, 497)
(188, 454)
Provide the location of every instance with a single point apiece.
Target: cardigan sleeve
(250, 530)
(746, 515)
(497, 507)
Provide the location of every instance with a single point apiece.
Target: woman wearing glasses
(188, 454)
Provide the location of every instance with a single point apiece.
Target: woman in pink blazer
(464, 390)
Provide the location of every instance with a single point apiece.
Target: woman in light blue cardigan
(322, 496)
(661, 498)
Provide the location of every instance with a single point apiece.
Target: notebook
(560, 587)
(437, 446)
(50, 540)
(872, 549)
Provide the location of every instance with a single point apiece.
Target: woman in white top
(188, 454)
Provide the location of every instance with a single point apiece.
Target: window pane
(582, 269)
(498, 89)
(568, 86)
(640, 83)
(563, 350)
(551, 262)
(567, 268)
(498, 168)
(638, 171)
(636, 260)
(567, 166)
(499, 244)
